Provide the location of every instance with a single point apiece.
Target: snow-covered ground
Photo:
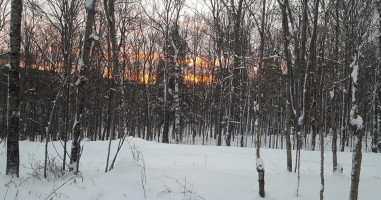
(177, 172)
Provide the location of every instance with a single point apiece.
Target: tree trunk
(81, 86)
(288, 82)
(47, 131)
(334, 93)
(13, 160)
(356, 125)
(321, 165)
(166, 127)
(259, 162)
(176, 97)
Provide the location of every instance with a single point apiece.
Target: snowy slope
(176, 172)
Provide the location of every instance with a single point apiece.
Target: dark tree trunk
(81, 87)
(259, 162)
(288, 81)
(166, 127)
(13, 160)
(356, 126)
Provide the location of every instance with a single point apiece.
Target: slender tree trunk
(321, 165)
(117, 78)
(313, 135)
(287, 54)
(334, 94)
(66, 131)
(47, 131)
(166, 127)
(319, 104)
(259, 162)
(220, 118)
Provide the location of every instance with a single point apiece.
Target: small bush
(53, 169)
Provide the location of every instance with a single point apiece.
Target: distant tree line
(277, 74)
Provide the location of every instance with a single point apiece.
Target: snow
(300, 119)
(357, 121)
(260, 164)
(332, 93)
(94, 37)
(355, 69)
(213, 173)
(75, 122)
(89, 4)
(256, 106)
(77, 82)
(81, 63)
(354, 73)
(339, 169)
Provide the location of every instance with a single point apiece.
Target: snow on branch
(89, 4)
(260, 164)
(94, 37)
(355, 118)
(8, 66)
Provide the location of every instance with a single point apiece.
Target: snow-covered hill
(176, 172)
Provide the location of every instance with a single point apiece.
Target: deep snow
(211, 173)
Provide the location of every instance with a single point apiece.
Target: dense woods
(283, 74)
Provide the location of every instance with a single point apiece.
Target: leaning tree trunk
(81, 85)
(13, 160)
(116, 73)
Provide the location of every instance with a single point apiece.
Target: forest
(296, 75)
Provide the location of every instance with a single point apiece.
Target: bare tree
(4, 13)
(117, 78)
(286, 36)
(357, 127)
(334, 91)
(13, 160)
(260, 163)
(81, 83)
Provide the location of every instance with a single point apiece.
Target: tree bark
(334, 93)
(356, 125)
(287, 54)
(260, 163)
(81, 86)
(13, 160)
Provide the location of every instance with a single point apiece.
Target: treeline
(165, 72)
(273, 73)
(210, 91)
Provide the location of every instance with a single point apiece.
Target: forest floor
(149, 170)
